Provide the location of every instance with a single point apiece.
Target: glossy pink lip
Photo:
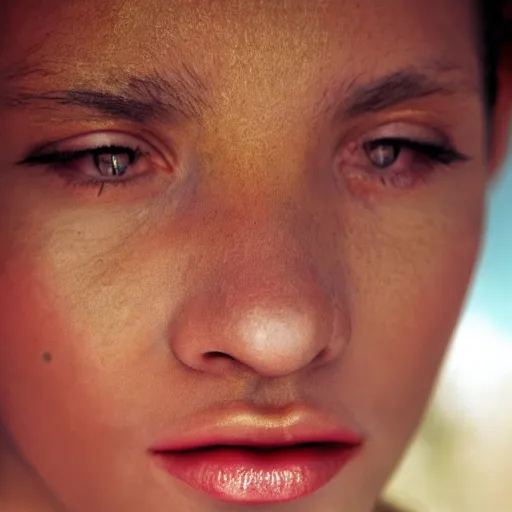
(256, 459)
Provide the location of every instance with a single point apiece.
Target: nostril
(221, 362)
(215, 354)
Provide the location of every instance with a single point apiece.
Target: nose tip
(272, 328)
(278, 340)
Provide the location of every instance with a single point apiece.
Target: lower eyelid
(70, 179)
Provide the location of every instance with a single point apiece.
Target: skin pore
(254, 245)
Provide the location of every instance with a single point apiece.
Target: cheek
(36, 374)
(54, 371)
(83, 321)
(71, 390)
(35, 363)
(407, 302)
(411, 268)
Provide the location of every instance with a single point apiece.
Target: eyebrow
(180, 95)
(396, 88)
(184, 95)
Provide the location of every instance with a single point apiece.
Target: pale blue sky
(492, 291)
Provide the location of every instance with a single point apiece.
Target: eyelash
(61, 163)
(430, 155)
(436, 152)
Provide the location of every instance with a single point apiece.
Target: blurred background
(461, 460)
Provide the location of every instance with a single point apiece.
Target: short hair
(495, 32)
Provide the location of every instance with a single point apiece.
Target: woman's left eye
(398, 161)
(385, 152)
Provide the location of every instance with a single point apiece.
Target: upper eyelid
(419, 130)
(411, 131)
(54, 157)
(52, 154)
(94, 140)
(438, 151)
(81, 143)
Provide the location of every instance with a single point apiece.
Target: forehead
(273, 42)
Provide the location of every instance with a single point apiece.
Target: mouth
(259, 467)
(256, 474)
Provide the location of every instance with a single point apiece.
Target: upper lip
(238, 425)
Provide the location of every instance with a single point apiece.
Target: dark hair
(495, 29)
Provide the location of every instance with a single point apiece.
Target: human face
(242, 260)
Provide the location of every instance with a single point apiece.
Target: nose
(265, 307)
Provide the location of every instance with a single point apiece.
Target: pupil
(384, 155)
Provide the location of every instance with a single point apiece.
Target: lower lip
(239, 475)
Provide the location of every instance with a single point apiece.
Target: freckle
(47, 357)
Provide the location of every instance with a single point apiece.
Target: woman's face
(240, 219)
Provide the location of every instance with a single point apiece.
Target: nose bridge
(271, 270)
(283, 316)
(264, 305)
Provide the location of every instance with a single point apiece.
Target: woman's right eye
(103, 162)
(97, 166)
(113, 163)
